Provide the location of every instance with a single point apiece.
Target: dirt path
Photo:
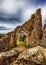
(22, 48)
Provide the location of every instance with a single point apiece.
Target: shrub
(24, 37)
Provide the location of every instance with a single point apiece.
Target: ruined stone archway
(20, 32)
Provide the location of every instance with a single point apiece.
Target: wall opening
(21, 38)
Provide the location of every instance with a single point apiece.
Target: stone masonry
(43, 42)
(32, 28)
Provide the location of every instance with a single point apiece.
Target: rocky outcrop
(7, 42)
(33, 56)
(7, 57)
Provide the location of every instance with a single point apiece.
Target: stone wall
(2, 35)
(44, 31)
(5, 43)
(37, 33)
(32, 28)
(43, 41)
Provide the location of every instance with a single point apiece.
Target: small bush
(24, 37)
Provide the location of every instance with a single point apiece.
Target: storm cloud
(16, 12)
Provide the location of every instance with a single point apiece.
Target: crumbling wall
(32, 28)
(5, 43)
(43, 41)
(37, 33)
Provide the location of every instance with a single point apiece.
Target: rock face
(33, 56)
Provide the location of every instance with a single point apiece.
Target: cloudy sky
(16, 12)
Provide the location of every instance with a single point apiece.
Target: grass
(28, 46)
(20, 43)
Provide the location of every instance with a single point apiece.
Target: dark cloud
(17, 17)
(14, 18)
(3, 28)
(12, 13)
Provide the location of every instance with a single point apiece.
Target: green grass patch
(28, 46)
(20, 43)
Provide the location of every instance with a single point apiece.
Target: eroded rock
(33, 56)
(7, 57)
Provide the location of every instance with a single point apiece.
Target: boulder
(33, 56)
(7, 57)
